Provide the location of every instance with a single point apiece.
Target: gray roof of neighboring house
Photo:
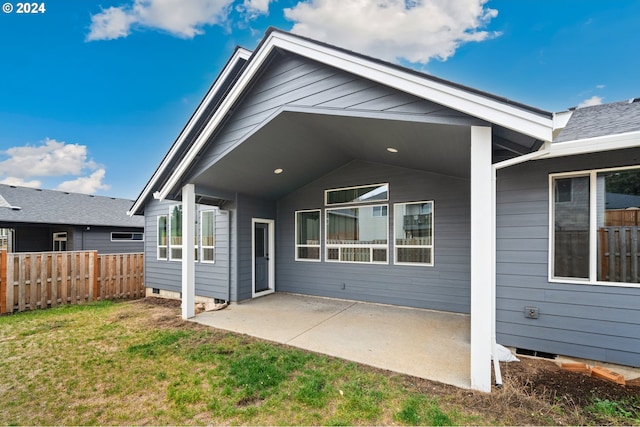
(31, 205)
(601, 120)
(622, 201)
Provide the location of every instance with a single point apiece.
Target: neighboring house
(312, 169)
(35, 220)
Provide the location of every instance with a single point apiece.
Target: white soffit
(493, 111)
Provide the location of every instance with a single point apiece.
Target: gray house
(35, 220)
(315, 170)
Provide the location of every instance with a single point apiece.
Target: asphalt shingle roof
(601, 120)
(30, 205)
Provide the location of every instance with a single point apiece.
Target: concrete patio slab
(423, 343)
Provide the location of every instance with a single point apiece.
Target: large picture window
(413, 233)
(596, 226)
(308, 235)
(355, 234)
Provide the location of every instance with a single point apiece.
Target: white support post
(482, 257)
(188, 255)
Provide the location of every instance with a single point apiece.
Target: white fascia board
(239, 54)
(594, 145)
(473, 104)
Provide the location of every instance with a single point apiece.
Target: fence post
(3, 281)
(96, 285)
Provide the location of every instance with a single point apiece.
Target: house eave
(537, 125)
(593, 145)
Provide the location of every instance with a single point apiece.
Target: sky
(94, 92)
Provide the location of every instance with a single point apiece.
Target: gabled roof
(30, 205)
(517, 117)
(602, 120)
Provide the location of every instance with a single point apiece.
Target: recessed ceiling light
(278, 171)
(392, 150)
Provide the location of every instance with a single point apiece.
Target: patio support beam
(188, 255)
(482, 257)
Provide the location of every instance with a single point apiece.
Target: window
(118, 236)
(380, 211)
(363, 194)
(354, 234)
(595, 230)
(175, 236)
(60, 241)
(207, 235)
(308, 235)
(413, 233)
(162, 237)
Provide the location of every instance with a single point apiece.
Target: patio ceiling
(307, 146)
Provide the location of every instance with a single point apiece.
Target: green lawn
(137, 363)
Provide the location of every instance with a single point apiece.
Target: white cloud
(415, 30)
(252, 9)
(52, 158)
(19, 182)
(110, 24)
(594, 100)
(179, 17)
(86, 184)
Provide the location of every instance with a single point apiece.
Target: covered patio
(424, 343)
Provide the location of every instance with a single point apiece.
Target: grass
(136, 363)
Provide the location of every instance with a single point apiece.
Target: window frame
(201, 240)
(339, 246)
(593, 227)
(132, 240)
(431, 246)
(166, 237)
(170, 244)
(319, 245)
(326, 194)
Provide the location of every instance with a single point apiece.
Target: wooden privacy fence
(618, 253)
(30, 281)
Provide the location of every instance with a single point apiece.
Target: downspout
(494, 180)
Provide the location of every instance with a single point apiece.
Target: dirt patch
(545, 378)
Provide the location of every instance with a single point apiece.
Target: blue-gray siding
(212, 280)
(590, 321)
(445, 286)
(247, 209)
(298, 82)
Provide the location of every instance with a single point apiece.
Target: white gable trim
(239, 54)
(485, 108)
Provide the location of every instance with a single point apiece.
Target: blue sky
(94, 92)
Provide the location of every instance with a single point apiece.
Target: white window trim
(202, 246)
(339, 246)
(431, 246)
(319, 245)
(158, 245)
(593, 226)
(326, 194)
